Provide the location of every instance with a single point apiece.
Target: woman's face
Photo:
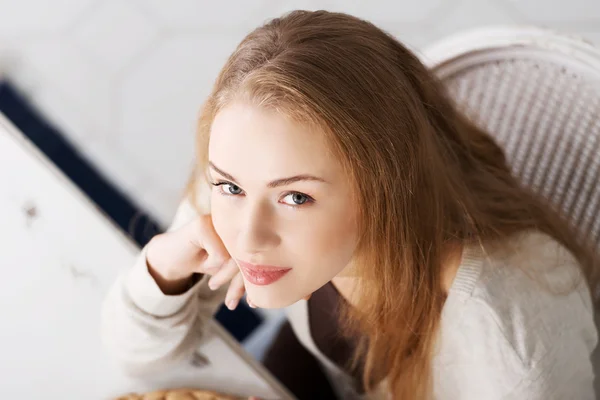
(283, 206)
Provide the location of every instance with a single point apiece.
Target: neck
(450, 265)
(346, 285)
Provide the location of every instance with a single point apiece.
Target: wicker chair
(538, 94)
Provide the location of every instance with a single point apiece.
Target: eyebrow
(275, 183)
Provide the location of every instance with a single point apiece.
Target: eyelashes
(298, 199)
(223, 183)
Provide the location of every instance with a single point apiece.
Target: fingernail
(232, 304)
(213, 285)
(250, 303)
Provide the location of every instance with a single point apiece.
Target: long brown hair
(424, 175)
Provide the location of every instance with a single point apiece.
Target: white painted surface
(124, 79)
(58, 256)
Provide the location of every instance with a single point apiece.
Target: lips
(262, 275)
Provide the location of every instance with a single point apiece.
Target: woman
(340, 169)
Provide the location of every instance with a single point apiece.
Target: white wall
(124, 79)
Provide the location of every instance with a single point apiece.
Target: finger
(208, 240)
(235, 292)
(250, 303)
(223, 275)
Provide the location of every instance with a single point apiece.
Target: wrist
(170, 283)
(171, 286)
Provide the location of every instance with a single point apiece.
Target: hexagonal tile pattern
(592, 36)
(196, 15)
(60, 111)
(549, 11)
(160, 100)
(114, 33)
(37, 16)
(278, 8)
(116, 165)
(159, 201)
(470, 14)
(74, 88)
(414, 37)
(589, 36)
(386, 10)
(14, 65)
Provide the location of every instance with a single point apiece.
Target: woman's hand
(176, 257)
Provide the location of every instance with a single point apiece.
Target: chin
(270, 298)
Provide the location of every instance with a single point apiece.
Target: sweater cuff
(145, 293)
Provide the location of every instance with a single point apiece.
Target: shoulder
(532, 288)
(521, 309)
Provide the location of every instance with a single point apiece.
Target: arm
(146, 329)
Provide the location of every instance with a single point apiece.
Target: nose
(258, 229)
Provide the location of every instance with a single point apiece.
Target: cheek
(339, 239)
(222, 214)
(328, 244)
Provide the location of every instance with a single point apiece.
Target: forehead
(245, 138)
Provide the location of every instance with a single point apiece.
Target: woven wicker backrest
(538, 94)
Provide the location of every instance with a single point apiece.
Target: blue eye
(232, 189)
(227, 188)
(292, 199)
(297, 199)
